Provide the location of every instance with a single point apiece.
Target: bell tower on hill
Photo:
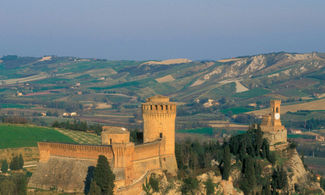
(275, 110)
(273, 130)
(159, 116)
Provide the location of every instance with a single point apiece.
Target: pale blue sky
(160, 29)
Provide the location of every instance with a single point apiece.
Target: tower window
(160, 135)
(110, 141)
(277, 109)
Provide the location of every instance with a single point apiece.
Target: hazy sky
(160, 29)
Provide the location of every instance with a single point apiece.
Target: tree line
(78, 125)
(16, 163)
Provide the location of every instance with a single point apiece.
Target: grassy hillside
(14, 136)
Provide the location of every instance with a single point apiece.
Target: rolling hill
(67, 84)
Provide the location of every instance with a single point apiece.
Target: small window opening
(150, 107)
(162, 107)
(156, 107)
(160, 135)
(110, 141)
(166, 107)
(277, 109)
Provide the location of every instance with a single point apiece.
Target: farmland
(15, 136)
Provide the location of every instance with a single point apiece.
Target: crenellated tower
(159, 116)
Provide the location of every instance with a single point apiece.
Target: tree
(94, 189)
(209, 186)
(4, 166)
(7, 187)
(103, 176)
(266, 190)
(154, 183)
(226, 161)
(248, 182)
(21, 161)
(189, 185)
(14, 164)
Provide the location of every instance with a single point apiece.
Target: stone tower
(275, 110)
(273, 130)
(159, 122)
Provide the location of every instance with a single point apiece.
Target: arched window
(156, 107)
(150, 107)
(162, 107)
(277, 109)
(110, 141)
(160, 135)
(166, 107)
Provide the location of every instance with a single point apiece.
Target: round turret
(159, 121)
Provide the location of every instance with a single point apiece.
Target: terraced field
(82, 137)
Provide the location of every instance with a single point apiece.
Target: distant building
(295, 131)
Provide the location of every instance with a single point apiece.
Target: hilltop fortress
(64, 166)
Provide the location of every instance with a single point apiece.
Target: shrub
(154, 183)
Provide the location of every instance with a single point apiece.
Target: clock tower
(272, 128)
(275, 112)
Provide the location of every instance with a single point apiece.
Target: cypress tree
(249, 172)
(14, 164)
(94, 189)
(4, 166)
(103, 176)
(21, 161)
(226, 163)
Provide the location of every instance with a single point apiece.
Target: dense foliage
(251, 152)
(13, 185)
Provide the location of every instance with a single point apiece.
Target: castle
(64, 166)
(273, 130)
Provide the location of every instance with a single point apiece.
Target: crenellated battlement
(155, 108)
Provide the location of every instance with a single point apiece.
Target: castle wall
(72, 150)
(146, 157)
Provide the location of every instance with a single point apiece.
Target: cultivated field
(16, 136)
(82, 137)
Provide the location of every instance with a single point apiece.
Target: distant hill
(247, 83)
